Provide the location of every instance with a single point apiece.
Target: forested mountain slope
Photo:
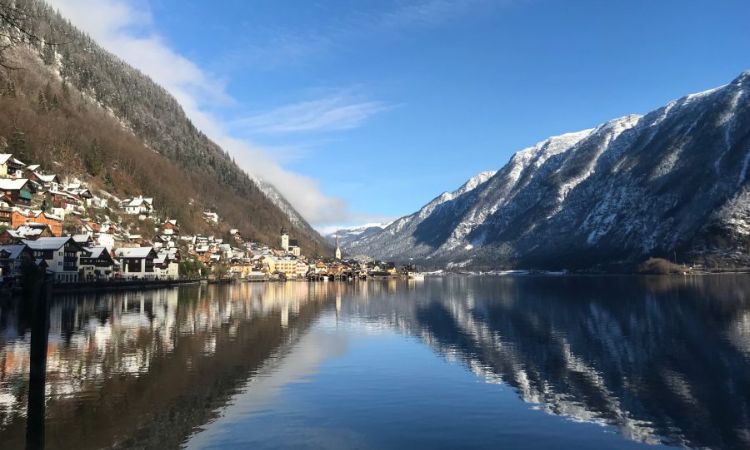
(74, 107)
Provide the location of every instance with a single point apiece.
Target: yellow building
(291, 267)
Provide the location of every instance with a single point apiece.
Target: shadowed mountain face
(674, 180)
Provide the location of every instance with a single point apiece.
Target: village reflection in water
(660, 360)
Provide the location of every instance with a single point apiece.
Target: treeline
(72, 123)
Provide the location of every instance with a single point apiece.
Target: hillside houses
(64, 227)
(25, 217)
(211, 217)
(10, 167)
(15, 191)
(46, 181)
(137, 206)
(30, 231)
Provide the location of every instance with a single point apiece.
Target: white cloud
(333, 113)
(127, 31)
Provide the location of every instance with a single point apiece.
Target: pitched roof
(4, 157)
(32, 167)
(47, 243)
(81, 238)
(47, 178)
(95, 252)
(50, 216)
(12, 184)
(133, 252)
(13, 250)
(36, 225)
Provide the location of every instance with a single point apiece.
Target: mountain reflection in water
(661, 360)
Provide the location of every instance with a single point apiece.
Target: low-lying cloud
(127, 31)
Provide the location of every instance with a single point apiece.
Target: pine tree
(42, 103)
(17, 142)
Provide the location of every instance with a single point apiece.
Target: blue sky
(366, 110)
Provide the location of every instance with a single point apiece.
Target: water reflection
(664, 360)
(145, 368)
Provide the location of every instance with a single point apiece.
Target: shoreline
(114, 286)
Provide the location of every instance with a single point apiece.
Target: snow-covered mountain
(404, 238)
(348, 235)
(671, 183)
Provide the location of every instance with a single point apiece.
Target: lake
(448, 362)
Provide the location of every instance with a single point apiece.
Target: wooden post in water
(39, 295)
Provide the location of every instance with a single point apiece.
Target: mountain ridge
(670, 183)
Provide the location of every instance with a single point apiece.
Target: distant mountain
(349, 235)
(414, 236)
(78, 109)
(672, 183)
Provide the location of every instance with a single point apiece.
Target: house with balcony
(46, 181)
(137, 205)
(96, 263)
(167, 265)
(59, 255)
(137, 262)
(5, 215)
(65, 201)
(16, 191)
(11, 167)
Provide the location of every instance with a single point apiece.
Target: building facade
(58, 255)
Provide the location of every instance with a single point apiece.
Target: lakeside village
(80, 237)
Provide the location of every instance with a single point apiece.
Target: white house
(137, 262)
(10, 166)
(138, 205)
(59, 255)
(96, 263)
(211, 217)
(106, 240)
(48, 181)
(166, 266)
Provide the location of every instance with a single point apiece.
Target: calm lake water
(451, 362)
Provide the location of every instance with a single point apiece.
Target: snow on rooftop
(133, 252)
(47, 243)
(8, 184)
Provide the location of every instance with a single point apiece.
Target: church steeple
(338, 248)
(284, 239)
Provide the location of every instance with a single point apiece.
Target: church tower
(338, 249)
(284, 240)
